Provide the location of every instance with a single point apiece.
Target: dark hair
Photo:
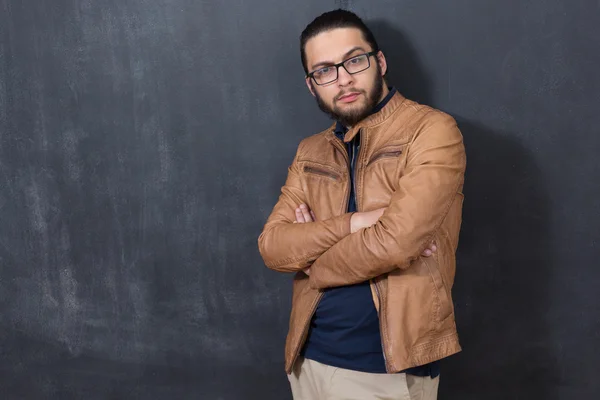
(332, 20)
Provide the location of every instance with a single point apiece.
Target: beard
(353, 116)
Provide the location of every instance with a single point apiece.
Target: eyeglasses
(353, 65)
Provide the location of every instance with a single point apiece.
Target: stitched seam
(432, 355)
(291, 260)
(391, 113)
(404, 104)
(437, 342)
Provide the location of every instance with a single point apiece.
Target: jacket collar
(374, 119)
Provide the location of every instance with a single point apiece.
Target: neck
(384, 92)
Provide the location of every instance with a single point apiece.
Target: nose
(344, 78)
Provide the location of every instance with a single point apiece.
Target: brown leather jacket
(412, 160)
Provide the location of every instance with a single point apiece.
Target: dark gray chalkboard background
(143, 144)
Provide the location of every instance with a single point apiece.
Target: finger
(312, 214)
(306, 213)
(307, 271)
(299, 216)
(433, 247)
(427, 253)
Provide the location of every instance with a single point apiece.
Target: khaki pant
(311, 380)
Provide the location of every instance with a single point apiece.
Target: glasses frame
(341, 64)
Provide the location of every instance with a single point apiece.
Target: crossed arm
(353, 248)
(358, 221)
(290, 244)
(289, 247)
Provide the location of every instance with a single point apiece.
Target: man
(368, 220)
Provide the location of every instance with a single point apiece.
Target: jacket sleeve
(289, 247)
(434, 173)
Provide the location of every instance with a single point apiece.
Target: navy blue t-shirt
(344, 332)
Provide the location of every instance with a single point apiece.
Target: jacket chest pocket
(382, 172)
(320, 171)
(392, 152)
(325, 188)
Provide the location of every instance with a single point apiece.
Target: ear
(382, 62)
(309, 84)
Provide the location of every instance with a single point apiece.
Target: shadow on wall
(502, 282)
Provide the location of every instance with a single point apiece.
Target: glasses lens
(325, 75)
(357, 64)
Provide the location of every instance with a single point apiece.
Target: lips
(349, 97)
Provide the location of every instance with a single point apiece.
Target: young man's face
(351, 97)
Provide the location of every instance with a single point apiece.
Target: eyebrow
(324, 63)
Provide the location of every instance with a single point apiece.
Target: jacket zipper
(355, 158)
(318, 298)
(384, 155)
(382, 336)
(306, 326)
(381, 325)
(321, 172)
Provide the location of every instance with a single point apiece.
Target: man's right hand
(362, 220)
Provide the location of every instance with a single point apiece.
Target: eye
(325, 71)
